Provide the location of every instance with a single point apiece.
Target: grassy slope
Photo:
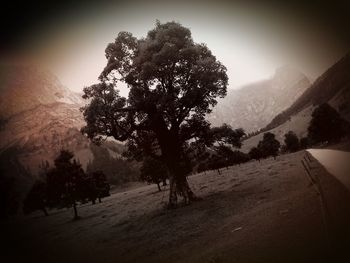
(258, 212)
(298, 123)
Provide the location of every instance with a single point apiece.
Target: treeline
(65, 185)
(326, 126)
(14, 181)
(117, 169)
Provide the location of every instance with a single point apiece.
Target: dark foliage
(36, 199)
(214, 150)
(223, 157)
(95, 186)
(153, 171)
(326, 125)
(291, 141)
(3, 123)
(269, 146)
(65, 185)
(65, 182)
(8, 200)
(304, 142)
(255, 153)
(117, 169)
(14, 181)
(225, 135)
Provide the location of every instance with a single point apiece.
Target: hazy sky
(250, 40)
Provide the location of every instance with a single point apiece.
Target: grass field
(258, 212)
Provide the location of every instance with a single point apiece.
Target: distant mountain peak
(253, 106)
(25, 87)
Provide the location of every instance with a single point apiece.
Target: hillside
(332, 87)
(257, 212)
(40, 117)
(252, 107)
(26, 87)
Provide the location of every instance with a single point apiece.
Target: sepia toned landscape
(143, 132)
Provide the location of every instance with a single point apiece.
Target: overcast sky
(251, 41)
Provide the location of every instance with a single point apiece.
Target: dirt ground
(264, 211)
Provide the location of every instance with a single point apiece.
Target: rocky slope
(40, 117)
(25, 87)
(254, 106)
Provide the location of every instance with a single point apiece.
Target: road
(335, 162)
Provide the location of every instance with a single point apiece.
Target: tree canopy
(36, 198)
(326, 125)
(269, 146)
(66, 181)
(291, 141)
(153, 171)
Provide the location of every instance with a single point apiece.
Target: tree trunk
(75, 211)
(179, 186)
(159, 189)
(45, 211)
(172, 152)
(172, 193)
(164, 182)
(99, 199)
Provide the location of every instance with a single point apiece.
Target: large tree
(173, 83)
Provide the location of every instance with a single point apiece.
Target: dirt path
(257, 212)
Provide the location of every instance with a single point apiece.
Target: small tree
(94, 186)
(219, 141)
(100, 184)
(304, 142)
(36, 199)
(153, 171)
(255, 153)
(239, 157)
(291, 141)
(269, 146)
(326, 125)
(65, 182)
(224, 156)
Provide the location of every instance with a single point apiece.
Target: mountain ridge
(254, 105)
(332, 87)
(332, 81)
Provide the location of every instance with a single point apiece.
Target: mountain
(252, 107)
(39, 117)
(26, 87)
(333, 87)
